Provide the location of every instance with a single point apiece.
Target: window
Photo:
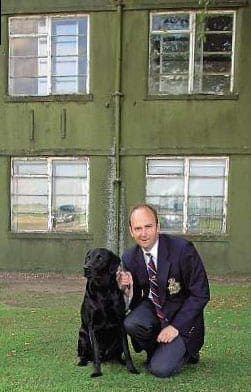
(48, 55)
(191, 54)
(49, 194)
(190, 194)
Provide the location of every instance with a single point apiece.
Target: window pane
(65, 46)
(30, 222)
(166, 186)
(174, 85)
(218, 84)
(170, 22)
(218, 43)
(29, 167)
(206, 187)
(68, 85)
(30, 186)
(167, 166)
(70, 169)
(28, 67)
(28, 25)
(219, 23)
(207, 168)
(205, 214)
(28, 86)
(28, 46)
(217, 63)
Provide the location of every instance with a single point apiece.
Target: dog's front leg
(96, 358)
(129, 364)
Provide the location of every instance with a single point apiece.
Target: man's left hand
(167, 334)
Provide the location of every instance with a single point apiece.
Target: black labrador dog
(102, 336)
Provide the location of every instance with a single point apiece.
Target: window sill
(50, 98)
(52, 235)
(196, 97)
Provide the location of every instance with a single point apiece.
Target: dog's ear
(115, 262)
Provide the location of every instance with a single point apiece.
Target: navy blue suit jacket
(183, 286)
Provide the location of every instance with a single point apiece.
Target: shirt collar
(153, 251)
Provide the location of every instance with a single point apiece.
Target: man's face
(144, 228)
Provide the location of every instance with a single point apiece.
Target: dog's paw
(96, 374)
(82, 362)
(134, 371)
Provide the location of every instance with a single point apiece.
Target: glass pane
(68, 85)
(28, 67)
(176, 84)
(208, 205)
(206, 187)
(30, 167)
(70, 26)
(218, 84)
(164, 186)
(167, 166)
(28, 86)
(65, 66)
(207, 168)
(219, 23)
(30, 186)
(175, 43)
(70, 169)
(65, 46)
(29, 204)
(70, 213)
(69, 186)
(175, 66)
(78, 202)
(28, 25)
(205, 214)
(30, 222)
(164, 22)
(218, 43)
(217, 63)
(28, 46)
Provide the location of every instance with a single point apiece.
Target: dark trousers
(143, 326)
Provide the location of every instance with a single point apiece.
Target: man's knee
(133, 326)
(163, 369)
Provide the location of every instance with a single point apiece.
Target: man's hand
(167, 334)
(125, 281)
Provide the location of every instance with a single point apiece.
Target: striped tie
(154, 288)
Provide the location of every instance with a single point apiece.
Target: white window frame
(48, 35)
(193, 35)
(186, 176)
(50, 178)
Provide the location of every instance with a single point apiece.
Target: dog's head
(100, 263)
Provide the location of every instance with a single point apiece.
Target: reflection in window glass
(49, 194)
(48, 55)
(188, 57)
(190, 194)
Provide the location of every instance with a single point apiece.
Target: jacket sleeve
(196, 286)
(128, 265)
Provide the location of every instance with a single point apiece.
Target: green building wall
(148, 127)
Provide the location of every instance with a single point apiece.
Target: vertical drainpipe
(117, 123)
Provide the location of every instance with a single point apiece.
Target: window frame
(48, 34)
(50, 194)
(187, 177)
(190, 93)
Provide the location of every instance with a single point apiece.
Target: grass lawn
(38, 336)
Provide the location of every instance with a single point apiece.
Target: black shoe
(193, 359)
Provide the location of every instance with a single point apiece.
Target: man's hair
(143, 206)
